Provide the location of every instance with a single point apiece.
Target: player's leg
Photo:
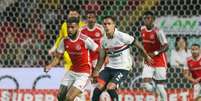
(147, 74)
(198, 98)
(102, 81)
(196, 90)
(160, 80)
(62, 93)
(73, 93)
(66, 83)
(117, 77)
(78, 87)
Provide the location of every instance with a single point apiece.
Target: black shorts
(113, 75)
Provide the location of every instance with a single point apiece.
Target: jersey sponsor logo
(66, 46)
(151, 36)
(97, 34)
(143, 35)
(78, 47)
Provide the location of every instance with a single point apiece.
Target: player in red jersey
(78, 46)
(155, 43)
(193, 69)
(95, 31)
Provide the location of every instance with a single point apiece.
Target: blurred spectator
(180, 53)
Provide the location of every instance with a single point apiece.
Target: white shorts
(197, 90)
(78, 80)
(156, 73)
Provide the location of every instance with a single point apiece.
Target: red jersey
(95, 34)
(152, 41)
(78, 50)
(194, 67)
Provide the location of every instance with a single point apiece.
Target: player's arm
(59, 54)
(101, 60)
(164, 43)
(142, 50)
(127, 39)
(58, 39)
(54, 62)
(94, 47)
(188, 76)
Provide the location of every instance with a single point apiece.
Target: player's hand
(196, 80)
(52, 51)
(95, 74)
(151, 54)
(149, 60)
(47, 68)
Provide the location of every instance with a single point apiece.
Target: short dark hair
(110, 17)
(195, 44)
(73, 9)
(73, 20)
(91, 12)
(149, 13)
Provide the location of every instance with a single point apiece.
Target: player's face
(72, 28)
(148, 20)
(181, 43)
(73, 14)
(91, 18)
(109, 26)
(195, 51)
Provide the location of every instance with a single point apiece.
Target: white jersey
(117, 50)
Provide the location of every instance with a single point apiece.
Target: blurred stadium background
(28, 28)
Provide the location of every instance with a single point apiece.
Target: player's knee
(70, 98)
(111, 86)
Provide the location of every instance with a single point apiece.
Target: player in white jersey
(115, 45)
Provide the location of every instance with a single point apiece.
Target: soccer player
(78, 46)
(155, 43)
(95, 31)
(193, 69)
(115, 45)
(63, 33)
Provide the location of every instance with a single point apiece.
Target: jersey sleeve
(60, 48)
(62, 33)
(102, 30)
(90, 44)
(161, 37)
(126, 38)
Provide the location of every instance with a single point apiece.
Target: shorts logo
(97, 34)
(78, 47)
